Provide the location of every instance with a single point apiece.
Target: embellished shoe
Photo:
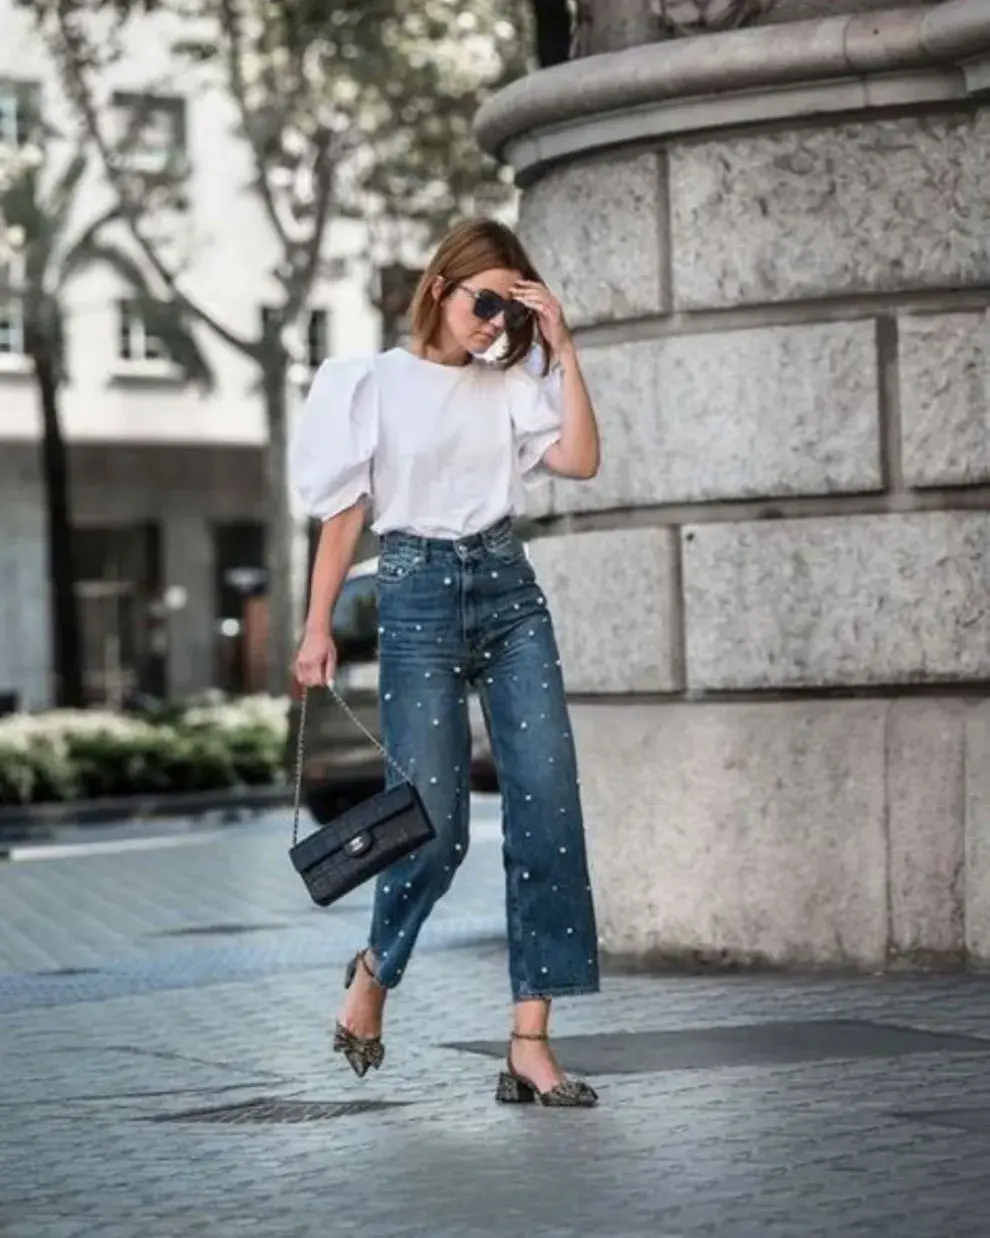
(362, 1052)
(515, 1089)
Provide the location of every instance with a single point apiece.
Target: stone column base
(790, 833)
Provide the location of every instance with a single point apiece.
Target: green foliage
(168, 756)
(256, 754)
(38, 773)
(53, 776)
(691, 17)
(420, 84)
(349, 107)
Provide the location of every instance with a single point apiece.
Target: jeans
(457, 615)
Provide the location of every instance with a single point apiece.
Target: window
(316, 334)
(135, 341)
(11, 308)
(9, 116)
(117, 573)
(11, 329)
(151, 130)
(18, 112)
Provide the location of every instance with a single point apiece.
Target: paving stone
(976, 1119)
(273, 1109)
(708, 1048)
(787, 1146)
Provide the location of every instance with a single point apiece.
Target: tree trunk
(278, 526)
(55, 471)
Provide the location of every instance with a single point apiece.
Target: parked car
(341, 766)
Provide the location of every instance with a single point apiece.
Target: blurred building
(166, 481)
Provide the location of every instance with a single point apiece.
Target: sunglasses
(488, 305)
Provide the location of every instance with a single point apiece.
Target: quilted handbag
(363, 841)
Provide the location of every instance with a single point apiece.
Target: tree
(38, 210)
(611, 25)
(10, 166)
(348, 107)
(687, 17)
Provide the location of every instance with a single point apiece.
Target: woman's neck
(443, 352)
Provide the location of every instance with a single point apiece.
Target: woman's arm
(578, 452)
(316, 661)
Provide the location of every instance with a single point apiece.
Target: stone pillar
(189, 561)
(774, 602)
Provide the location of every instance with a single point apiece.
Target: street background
(769, 224)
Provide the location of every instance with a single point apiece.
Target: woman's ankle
(531, 1019)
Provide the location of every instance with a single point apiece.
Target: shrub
(211, 745)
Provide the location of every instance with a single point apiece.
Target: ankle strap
(530, 1036)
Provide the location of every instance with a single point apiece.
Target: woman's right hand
(316, 661)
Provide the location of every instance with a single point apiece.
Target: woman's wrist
(565, 357)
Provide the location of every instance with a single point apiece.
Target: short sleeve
(536, 415)
(335, 438)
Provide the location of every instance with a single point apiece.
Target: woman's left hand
(548, 311)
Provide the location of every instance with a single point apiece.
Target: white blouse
(440, 450)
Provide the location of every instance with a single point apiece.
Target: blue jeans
(455, 615)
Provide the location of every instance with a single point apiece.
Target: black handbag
(365, 840)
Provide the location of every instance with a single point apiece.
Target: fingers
(309, 674)
(315, 671)
(530, 291)
(536, 297)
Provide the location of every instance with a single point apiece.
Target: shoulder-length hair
(471, 247)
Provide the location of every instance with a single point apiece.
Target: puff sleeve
(335, 438)
(536, 412)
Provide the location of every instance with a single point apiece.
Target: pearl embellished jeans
(457, 615)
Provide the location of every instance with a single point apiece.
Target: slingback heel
(362, 1053)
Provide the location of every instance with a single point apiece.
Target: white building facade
(166, 482)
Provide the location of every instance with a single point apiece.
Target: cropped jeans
(456, 616)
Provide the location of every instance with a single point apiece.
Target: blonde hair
(473, 246)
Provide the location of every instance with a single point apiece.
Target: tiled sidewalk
(845, 1127)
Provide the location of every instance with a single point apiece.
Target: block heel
(513, 1091)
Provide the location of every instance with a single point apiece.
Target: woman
(440, 442)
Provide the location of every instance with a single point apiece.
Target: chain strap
(301, 751)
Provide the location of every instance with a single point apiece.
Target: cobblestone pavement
(140, 985)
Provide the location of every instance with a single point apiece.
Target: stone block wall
(774, 601)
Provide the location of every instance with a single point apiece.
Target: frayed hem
(549, 995)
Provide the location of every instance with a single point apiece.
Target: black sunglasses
(488, 305)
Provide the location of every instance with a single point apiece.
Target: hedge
(69, 755)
